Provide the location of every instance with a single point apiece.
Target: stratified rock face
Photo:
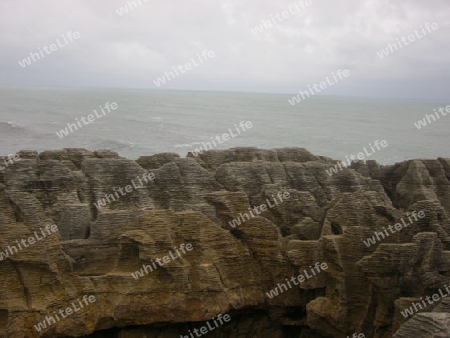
(239, 255)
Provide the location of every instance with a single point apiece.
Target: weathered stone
(233, 265)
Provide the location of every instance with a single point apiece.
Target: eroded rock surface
(231, 267)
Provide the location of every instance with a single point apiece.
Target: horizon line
(220, 91)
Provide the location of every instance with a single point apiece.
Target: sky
(313, 41)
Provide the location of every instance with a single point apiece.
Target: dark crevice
(249, 322)
(382, 211)
(237, 233)
(87, 232)
(336, 229)
(295, 313)
(390, 178)
(18, 213)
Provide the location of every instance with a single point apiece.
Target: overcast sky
(134, 49)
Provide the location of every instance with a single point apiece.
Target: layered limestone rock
(241, 253)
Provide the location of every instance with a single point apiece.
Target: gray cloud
(134, 49)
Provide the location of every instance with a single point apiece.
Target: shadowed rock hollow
(230, 270)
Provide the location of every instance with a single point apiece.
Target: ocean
(148, 122)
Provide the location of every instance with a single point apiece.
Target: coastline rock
(234, 267)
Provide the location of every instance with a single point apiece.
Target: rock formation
(231, 268)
